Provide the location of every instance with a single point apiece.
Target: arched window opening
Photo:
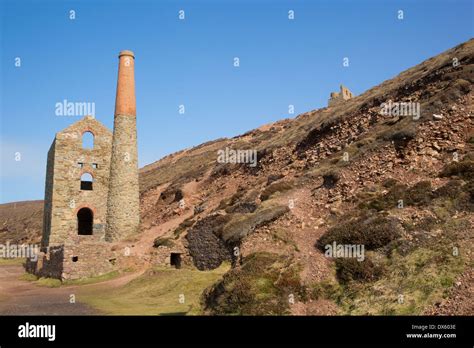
(87, 140)
(86, 182)
(85, 219)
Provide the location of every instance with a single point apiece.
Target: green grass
(261, 286)
(48, 282)
(422, 274)
(421, 277)
(10, 262)
(326, 289)
(419, 267)
(282, 234)
(28, 277)
(93, 280)
(157, 292)
(56, 283)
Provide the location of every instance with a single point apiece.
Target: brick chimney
(123, 210)
(125, 103)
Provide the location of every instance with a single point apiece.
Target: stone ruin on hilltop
(337, 98)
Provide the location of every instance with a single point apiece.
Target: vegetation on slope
(160, 291)
(264, 284)
(410, 269)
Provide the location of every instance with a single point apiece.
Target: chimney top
(126, 53)
(125, 97)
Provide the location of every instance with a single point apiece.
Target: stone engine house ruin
(91, 190)
(341, 96)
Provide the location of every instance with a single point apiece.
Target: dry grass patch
(157, 292)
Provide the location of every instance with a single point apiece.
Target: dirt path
(21, 297)
(144, 243)
(316, 266)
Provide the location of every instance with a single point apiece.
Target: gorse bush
(350, 269)
(450, 190)
(162, 241)
(274, 177)
(463, 169)
(331, 178)
(419, 194)
(401, 135)
(241, 225)
(280, 186)
(390, 182)
(230, 201)
(241, 207)
(371, 230)
(261, 286)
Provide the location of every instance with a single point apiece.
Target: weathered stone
(81, 216)
(123, 204)
(64, 198)
(336, 98)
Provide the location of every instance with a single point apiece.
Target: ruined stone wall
(52, 263)
(345, 93)
(339, 97)
(64, 196)
(161, 256)
(48, 196)
(113, 195)
(49, 264)
(83, 260)
(88, 259)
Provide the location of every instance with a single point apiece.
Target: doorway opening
(175, 260)
(85, 219)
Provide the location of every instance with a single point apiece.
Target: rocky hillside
(401, 186)
(21, 222)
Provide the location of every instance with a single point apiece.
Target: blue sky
(190, 62)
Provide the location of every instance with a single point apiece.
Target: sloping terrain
(401, 186)
(21, 222)
(336, 175)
